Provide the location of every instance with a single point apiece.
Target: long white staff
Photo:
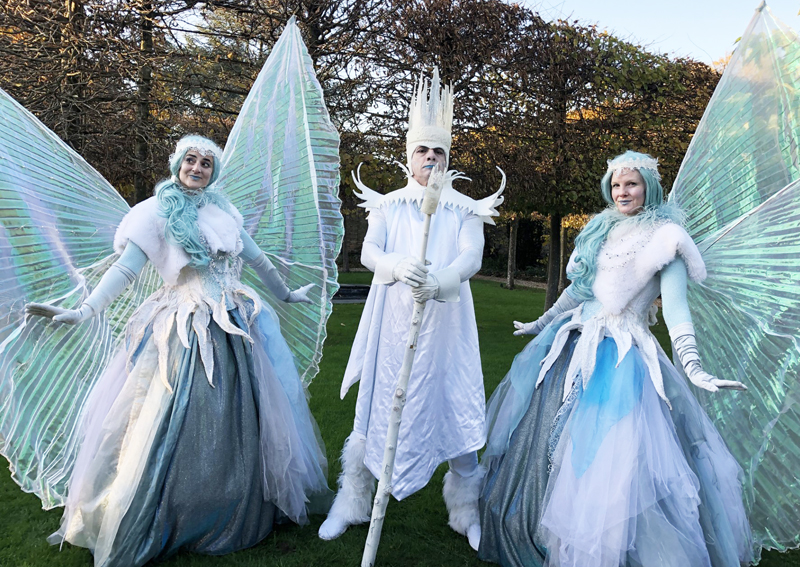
(429, 203)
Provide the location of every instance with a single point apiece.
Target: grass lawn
(415, 531)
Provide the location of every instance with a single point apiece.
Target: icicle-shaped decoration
(430, 116)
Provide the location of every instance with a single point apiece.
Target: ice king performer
(443, 419)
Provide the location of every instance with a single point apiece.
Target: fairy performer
(599, 454)
(722, 254)
(174, 416)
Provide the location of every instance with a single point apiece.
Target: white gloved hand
(114, 281)
(565, 303)
(269, 276)
(68, 316)
(532, 328)
(300, 295)
(685, 345)
(410, 272)
(428, 290)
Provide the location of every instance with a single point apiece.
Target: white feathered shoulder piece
(485, 208)
(144, 226)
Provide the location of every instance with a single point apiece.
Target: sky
(705, 30)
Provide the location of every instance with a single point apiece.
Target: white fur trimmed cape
(444, 413)
(145, 227)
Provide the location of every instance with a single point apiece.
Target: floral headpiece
(201, 144)
(624, 162)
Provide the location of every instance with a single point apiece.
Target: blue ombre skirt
(207, 467)
(610, 477)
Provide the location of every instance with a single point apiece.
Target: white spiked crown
(430, 116)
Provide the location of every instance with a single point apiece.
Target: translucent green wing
(57, 223)
(747, 316)
(281, 170)
(747, 145)
(738, 185)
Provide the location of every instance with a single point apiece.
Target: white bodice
(626, 285)
(144, 226)
(191, 297)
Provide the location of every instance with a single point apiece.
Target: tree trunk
(145, 86)
(71, 88)
(553, 262)
(513, 227)
(562, 276)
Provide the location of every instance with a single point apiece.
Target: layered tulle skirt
(200, 461)
(611, 476)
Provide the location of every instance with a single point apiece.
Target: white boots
(461, 498)
(353, 502)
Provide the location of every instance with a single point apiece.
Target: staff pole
(429, 203)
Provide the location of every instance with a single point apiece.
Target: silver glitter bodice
(220, 275)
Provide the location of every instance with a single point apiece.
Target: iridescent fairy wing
(281, 170)
(57, 223)
(746, 147)
(738, 185)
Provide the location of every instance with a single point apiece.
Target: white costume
(443, 418)
(598, 453)
(444, 414)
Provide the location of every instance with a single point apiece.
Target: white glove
(565, 303)
(113, 282)
(269, 276)
(685, 345)
(532, 328)
(300, 295)
(68, 316)
(426, 291)
(410, 272)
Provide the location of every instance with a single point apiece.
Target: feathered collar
(648, 219)
(414, 192)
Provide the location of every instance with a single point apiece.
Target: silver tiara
(201, 144)
(635, 163)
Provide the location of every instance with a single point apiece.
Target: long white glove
(113, 282)
(565, 303)
(426, 291)
(274, 282)
(685, 345)
(410, 271)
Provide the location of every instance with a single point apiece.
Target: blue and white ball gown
(198, 436)
(610, 461)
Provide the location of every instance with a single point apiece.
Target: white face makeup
(196, 170)
(628, 191)
(423, 160)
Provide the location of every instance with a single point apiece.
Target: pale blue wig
(179, 205)
(591, 238)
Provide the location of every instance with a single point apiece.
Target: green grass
(415, 531)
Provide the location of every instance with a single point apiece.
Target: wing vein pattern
(281, 170)
(739, 185)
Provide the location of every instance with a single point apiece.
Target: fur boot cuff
(461, 498)
(353, 502)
